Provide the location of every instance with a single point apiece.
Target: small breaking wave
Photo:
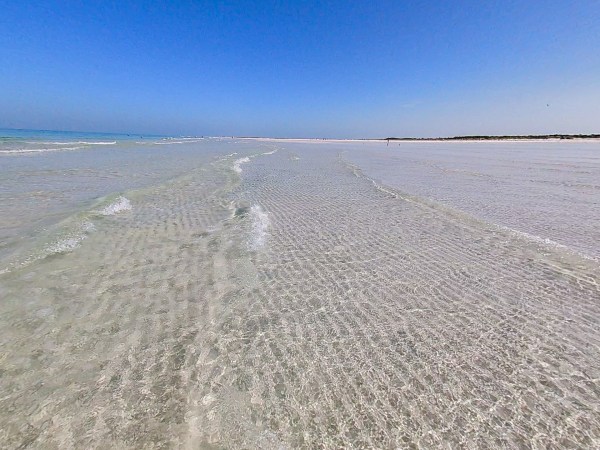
(68, 235)
(182, 140)
(64, 246)
(237, 165)
(119, 205)
(67, 241)
(260, 226)
(72, 142)
(49, 146)
(37, 150)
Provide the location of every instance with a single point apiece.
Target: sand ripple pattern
(547, 190)
(383, 323)
(365, 319)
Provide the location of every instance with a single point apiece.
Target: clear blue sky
(301, 68)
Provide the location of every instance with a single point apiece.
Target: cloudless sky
(301, 68)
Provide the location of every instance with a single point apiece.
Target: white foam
(69, 243)
(73, 142)
(64, 245)
(39, 150)
(88, 227)
(119, 205)
(182, 140)
(238, 163)
(260, 226)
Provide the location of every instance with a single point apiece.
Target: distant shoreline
(475, 138)
(14, 133)
(536, 137)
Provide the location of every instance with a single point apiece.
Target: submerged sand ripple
(365, 319)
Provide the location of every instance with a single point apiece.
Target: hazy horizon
(37, 133)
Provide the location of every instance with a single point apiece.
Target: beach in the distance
(242, 293)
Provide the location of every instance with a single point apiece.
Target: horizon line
(388, 138)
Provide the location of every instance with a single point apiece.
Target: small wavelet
(39, 150)
(183, 140)
(69, 235)
(271, 152)
(191, 139)
(545, 242)
(68, 243)
(64, 245)
(260, 226)
(72, 142)
(119, 205)
(237, 165)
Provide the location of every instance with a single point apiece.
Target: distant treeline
(496, 138)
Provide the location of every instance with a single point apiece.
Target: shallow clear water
(248, 294)
(547, 189)
(48, 177)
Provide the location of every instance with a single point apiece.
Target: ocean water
(221, 293)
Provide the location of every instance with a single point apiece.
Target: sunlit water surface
(208, 293)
